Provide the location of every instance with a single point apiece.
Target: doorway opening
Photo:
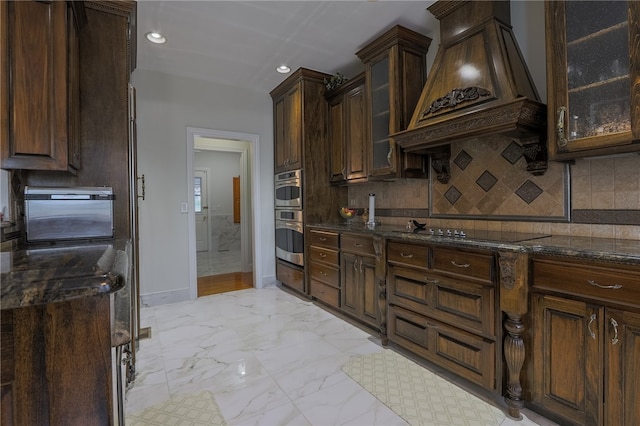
(222, 224)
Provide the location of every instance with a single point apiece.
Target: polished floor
(268, 358)
(215, 262)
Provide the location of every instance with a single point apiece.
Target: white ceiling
(240, 43)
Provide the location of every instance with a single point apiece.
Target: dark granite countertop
(48, 273)
(601, 249)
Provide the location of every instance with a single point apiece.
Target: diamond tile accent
(463, 159)
(512, 153)
(486, 181)
(416, 394)
(529, 191)
(453, 195)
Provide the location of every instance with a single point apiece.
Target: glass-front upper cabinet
(593, 77)
(395, 69)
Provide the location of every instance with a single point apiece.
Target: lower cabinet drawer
(463, 304)
(465, 354)
(325, 293)
(290, 276)
(325, 273)
(612, 284)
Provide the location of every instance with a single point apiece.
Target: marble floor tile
(267, 357)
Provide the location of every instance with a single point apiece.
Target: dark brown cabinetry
(348, 132)
(442, 307)
(48, 377)
(586, 340)
(40, 95)
(294, 128)
(324, 267)
(359, 297)
(395, 68)
(593, 68)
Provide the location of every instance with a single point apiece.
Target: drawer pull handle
(592, 318)
(406, 255)
(431, 280)
(322, 254)
(429, 325)
(322, 239)
(595, 284)
(614, 324)
(357, 244)
(457, 265)
(323, 273)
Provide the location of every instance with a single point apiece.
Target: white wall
(221, 167)
(166, 106)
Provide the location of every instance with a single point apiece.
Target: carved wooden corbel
(441, 163)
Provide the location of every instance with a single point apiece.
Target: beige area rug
(417, 395)
(193, 409)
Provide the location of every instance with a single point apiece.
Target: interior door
(201, 210)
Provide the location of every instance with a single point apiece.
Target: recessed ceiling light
(283, 69)
(154, 37)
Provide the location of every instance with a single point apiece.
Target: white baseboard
(164, 297)
(268, 281)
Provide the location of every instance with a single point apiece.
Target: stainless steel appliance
(288, 189)
(71, 213)
(290, 236)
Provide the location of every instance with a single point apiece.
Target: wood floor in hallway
(214, 284)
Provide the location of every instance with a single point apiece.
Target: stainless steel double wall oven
(289, 222)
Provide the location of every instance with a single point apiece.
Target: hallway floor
(268, 358)
(215, 262)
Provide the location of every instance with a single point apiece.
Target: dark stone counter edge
(69, 289)
(575, 247)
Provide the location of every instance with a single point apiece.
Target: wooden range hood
(479, 85)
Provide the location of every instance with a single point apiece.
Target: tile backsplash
(604, 195)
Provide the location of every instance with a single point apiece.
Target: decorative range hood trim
(501, 98)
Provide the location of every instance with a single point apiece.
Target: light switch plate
(184, 208)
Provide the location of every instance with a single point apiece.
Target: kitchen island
(64, 307)
(475, 302)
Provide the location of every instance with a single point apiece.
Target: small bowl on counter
(348, 213)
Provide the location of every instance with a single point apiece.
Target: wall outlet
(184, 208)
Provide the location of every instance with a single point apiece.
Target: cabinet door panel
(409, 289)
(370, 310)
(279, 135)
(592, 64)
(356, 134)
(35, 86)
(567, 358)
(350, 273)
(337, 171)
(622, 403)
(293, 110)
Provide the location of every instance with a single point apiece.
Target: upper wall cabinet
(395, 68)
(293, 100)
(347, 132)
(593, 69)
(40, 93)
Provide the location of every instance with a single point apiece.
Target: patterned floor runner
(193, 409)
(417, 395)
